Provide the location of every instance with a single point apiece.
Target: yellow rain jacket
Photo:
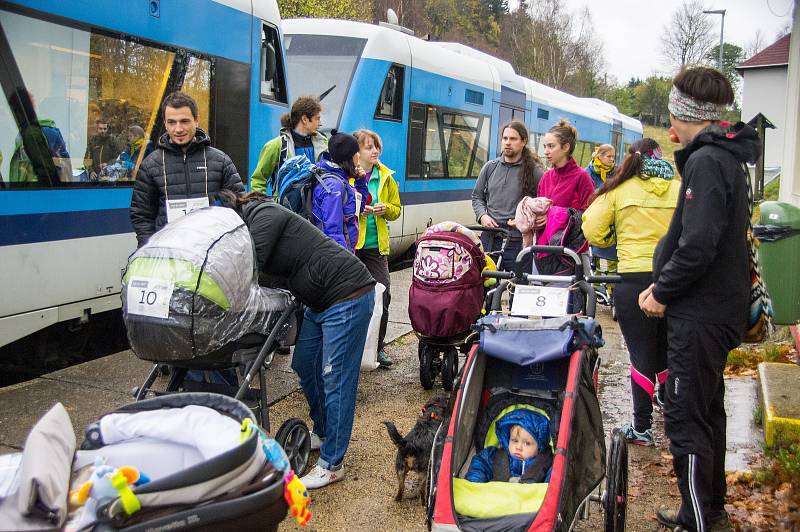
(640, 210)
(389, 195)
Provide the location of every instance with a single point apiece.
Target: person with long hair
(566, 184)
(601, 167)
(373, 232)
(335, 206)
(636, 205)
(501, 185)
(299, 135)
(338, 293)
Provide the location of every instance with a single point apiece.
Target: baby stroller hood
(193, 288)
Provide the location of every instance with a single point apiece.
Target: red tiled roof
(775, 54)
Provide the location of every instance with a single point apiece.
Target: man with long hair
(501, 185)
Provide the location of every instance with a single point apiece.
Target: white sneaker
(320, 477)
(316, 442)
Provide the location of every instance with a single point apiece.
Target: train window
(273, 78)
(83, 105)
(544, 114)
(454, 144)
(583, 152)
(390, 100)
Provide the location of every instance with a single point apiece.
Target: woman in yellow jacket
(373, 232)
(635, 208)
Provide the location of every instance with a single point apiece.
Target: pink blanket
(525, 218)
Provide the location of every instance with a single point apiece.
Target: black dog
(414, 449)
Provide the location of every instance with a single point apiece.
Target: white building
(764, 91)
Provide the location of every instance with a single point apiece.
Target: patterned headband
(684, 107)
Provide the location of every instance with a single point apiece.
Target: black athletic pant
(378, 266)
(694, 415)
(647, 345)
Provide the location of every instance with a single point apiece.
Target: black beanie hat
(342, 146)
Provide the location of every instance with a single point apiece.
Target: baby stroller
(549, 366)
(446, 296)
(602, 258)
(192, 469)
(191, 301)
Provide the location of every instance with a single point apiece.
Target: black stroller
(191, 302)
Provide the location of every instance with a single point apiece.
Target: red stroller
(549, 366)
(447, 296)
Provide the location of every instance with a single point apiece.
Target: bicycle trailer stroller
(193, 469)
(446, 297)
(549, 366)
(191, 300)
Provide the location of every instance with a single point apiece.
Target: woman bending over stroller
(338, 291)
(523, 454)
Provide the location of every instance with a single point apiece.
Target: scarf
(686, 108)
(601, 168)
(653, 166)
(525, 218)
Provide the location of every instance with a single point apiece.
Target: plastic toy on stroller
(447, 295)
(549, 366)
(179, 461)
(191, 301)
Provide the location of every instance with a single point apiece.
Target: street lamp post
(721, 33)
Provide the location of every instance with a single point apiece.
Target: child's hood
(533, 422)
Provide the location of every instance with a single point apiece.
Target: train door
(507, 114)
(616, 139)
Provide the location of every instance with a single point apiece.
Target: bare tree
(755, 45)
(688, 36)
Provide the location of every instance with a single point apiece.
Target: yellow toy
(296, 496)
(490, 266)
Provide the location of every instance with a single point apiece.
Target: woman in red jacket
(566, 184)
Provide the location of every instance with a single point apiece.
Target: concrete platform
(780, 398)
(91, 389)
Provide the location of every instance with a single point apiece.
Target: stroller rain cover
(193, 288)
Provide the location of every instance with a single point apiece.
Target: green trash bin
(779, 254)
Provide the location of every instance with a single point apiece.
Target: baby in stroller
(523, 453)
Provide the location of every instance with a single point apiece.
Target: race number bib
(149, 297)
(540, 301)
(178, 208)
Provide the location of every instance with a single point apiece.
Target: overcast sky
(630, 29)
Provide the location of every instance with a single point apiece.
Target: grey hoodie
(498, 190)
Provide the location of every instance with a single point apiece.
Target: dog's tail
(393, 434)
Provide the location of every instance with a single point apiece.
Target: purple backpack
(446, 294)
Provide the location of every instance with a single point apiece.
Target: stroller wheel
(449, 368)
(426, 374)
(295, 439)
(613, 311)
(616, 496)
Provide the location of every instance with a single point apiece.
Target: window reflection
(93, 105)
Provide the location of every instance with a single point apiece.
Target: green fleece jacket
(269, 159)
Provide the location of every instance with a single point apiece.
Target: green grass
(758, 415)
(771, 190)
(660, 135)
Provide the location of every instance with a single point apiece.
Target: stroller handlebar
(499, 230)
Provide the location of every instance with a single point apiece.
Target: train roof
(263, 9)
(389, 44)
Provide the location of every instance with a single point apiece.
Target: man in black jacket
(183, 172)
(702, 283)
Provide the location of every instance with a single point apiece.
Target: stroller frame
(583, 369)
(251, 357)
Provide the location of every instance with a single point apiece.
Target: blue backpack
(297, 178)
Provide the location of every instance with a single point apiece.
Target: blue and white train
(86, 66)
(438, 108)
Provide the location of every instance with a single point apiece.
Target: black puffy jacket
(202, 170)
(317, 270)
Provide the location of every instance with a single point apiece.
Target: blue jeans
(327, 358)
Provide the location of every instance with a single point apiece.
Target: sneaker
(383, 360)
(669, 518)
(638, 438)
(320, 477)
(316, 442)
(720, 523)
